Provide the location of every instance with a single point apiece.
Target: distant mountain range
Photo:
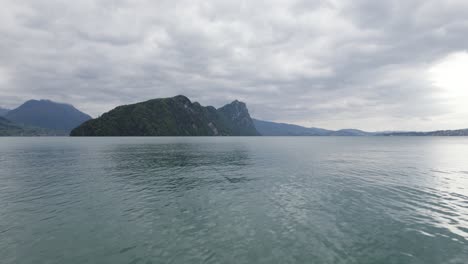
(266, 128)
(41, 117)
(175, 116)
(449, 133)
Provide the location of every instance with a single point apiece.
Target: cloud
(335, 64)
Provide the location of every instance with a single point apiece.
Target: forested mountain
(175, 116)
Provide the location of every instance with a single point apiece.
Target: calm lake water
(234, 200)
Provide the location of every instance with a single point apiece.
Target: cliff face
(175, 116)
(239, 120)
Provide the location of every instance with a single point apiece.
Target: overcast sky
(367, 64)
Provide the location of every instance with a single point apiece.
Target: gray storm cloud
(334, 64)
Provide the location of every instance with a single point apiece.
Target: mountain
(175, 116)
(351, 133)
(8, 128)
(3, 111)
(47, 114)
(446, 133)
(266, 128)
(239, 121)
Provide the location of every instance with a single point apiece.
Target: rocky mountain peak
(239, 115)
(235, 110)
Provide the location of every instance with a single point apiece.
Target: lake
(234, 200)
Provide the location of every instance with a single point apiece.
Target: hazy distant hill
(449, 133)
(351, 132)
(8, 128)
(48, 114)
(266, 128)
(175, 116)
(3, 111)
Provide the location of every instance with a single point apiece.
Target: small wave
(123, 250)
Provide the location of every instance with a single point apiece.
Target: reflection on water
(234, 200)
(178, 167)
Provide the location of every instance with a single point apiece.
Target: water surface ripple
(234, 200)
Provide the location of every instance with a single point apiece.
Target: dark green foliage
(238, 119)
(176, 116)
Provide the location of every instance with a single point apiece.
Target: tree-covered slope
(175, 116)
(238, 119)
(8, 128)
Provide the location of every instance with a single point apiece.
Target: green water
(234, 200)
